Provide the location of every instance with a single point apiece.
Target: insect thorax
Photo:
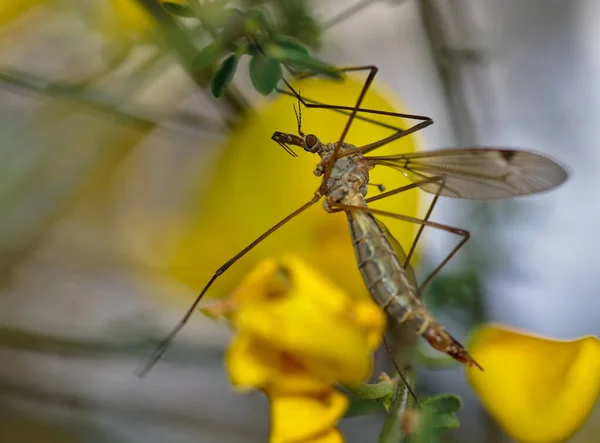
(347, 183)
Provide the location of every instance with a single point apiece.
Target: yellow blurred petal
(312, 320)
(132, 15)
(267, 281)
(370, 318)
(255, 184)
(333, 349)
(12, 9)
(287, 277)
(538, 389)
(127, 20)
(331, 436)
(252, 363)
(247, 369)
(305, 418)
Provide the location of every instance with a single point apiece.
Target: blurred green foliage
(270, 42)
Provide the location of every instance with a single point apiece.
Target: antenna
(299, 116)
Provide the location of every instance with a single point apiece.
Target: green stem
(392, 432)
(400, 343)
(73, 93)
(104, 104)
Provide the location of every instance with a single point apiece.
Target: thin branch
(347, 13)
(392, 430)
(23, 340)
(96, 101)
(141, 412)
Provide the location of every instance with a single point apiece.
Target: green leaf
(265, 73)
(314, 65)
(372, 391)
(297, 56)
(442, 410)
(205, 57)
(292, 45)
(363, 407)
(428, 432)
(224, 75)
(179, 9)
(287, 52)
(444, 403)
(391, 431)
(234, 28)
(437, 415)
(256, 21)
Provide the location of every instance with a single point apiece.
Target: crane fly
(467, 173)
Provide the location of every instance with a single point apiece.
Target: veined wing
(399, 250)
(478, 173)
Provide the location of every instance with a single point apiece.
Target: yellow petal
(275, 279)
(12, 9)
(255, 184)
(268, 281)
(335, 350)
(539, 390)
(370, 318)
(127, 20)
(313, 321)
(245, 364)
(302, 418)
(131, 15)
(330, 436)
(253, 363)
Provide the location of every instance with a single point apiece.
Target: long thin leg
(372, 73)
(424, 121)
(401, 189)
(464, 234)
(405, 188)
(308, 102)
(398, 370)
(413, 246)
(162, 347)
(439, 179)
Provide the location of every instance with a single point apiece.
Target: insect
(470, 173)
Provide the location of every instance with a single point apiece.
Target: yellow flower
(128, 20)
(284, 307)
(305, 419)
(297, 335)
(255, 183)
(539, 390)
(13, 9)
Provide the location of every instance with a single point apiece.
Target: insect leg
(372, 73)
(399, 132)
(437, 179)
(162, 347)
(399, 371)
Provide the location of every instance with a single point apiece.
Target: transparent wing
(410, 273)
(479, 173)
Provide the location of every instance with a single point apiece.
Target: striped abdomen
(393, 288)
(385, 278)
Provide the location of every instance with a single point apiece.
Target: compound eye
(311, 141)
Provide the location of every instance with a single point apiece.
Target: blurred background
(106, 139)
